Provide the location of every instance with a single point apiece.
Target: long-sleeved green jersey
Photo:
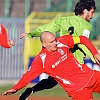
(81, 27)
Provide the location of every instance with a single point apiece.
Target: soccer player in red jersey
(84, 12)
(4, 41)
(56, 60)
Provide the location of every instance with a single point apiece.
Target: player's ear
(85, 11)
(44, 45)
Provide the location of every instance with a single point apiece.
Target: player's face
(89, 15)
(50, 43)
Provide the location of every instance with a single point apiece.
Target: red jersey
(3, 37)
(61, 65)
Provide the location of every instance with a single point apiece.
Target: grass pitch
(54, 92)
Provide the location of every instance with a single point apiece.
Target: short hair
(84, 4)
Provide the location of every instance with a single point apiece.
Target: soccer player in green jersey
(84, 12)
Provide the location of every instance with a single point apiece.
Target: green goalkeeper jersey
(62, 24)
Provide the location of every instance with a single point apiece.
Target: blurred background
(19, 16)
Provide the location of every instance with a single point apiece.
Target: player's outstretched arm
(53, 27)
(84, 40)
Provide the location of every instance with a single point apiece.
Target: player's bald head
(45, 36)
(48, 41)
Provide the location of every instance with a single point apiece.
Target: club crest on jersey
(61, 51)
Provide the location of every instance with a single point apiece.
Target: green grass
(54, 92)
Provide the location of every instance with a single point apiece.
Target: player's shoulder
(39, 57)
(64, 18)
(64, 39)
(80, 19)
(41, 53)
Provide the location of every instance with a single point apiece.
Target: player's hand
(10, 43)
(9, 92)
(97, 58)
(23, 35)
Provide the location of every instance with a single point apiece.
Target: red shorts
(86, 92)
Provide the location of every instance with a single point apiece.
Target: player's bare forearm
(23, 35)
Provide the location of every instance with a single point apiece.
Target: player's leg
(43, 84)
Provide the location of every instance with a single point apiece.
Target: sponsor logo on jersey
(61, 59)
(61, 51)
